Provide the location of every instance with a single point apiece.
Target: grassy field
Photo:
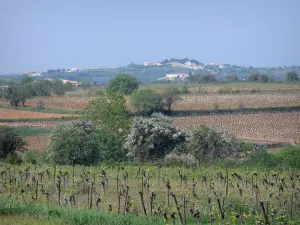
(28, 220)
(46, 110)
(232, 196)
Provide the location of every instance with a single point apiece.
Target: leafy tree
(26, 80)
(170, 95)
(255, 76)
(200, 78)
(153, 138)
(264, 78)
(26, 92)
(58, 87)
(10, 142)
(68, 86)
(13, 94)
(86, 84)
(146, 101)
(74, 143)
(208, 144)
(291, 77)
(123, 83)
(232, 78)
(110, 114)
(42, 87)
(111, 147)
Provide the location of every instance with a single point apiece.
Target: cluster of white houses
(75, 83)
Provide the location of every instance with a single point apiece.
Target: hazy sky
(43, 34)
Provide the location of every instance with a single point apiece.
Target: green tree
(208, 144)
(232, 78)
(110, 114)
(264, 78)
(255, 76)
(112, 150)
(26, 92)
(291, 77)
(58, 87)
(152, 138)
(68, 86)
(13, 94)
(123, 83)
(42, 87)
(85, 84)
(170, 95)
(26, 80)
(74, 143)
(146, 101)
(10, 142)
(202, 78)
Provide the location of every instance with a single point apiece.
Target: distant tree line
(18, 92)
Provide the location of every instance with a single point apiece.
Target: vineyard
(236, 101)
(278, 127)
(167, 195)
(189, 102)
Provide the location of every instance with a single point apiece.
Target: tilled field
(14, 114)
(39, 142)
(277, 127)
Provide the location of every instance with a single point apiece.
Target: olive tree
(153, 138)
(10, 142)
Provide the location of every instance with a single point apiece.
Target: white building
(152, 64)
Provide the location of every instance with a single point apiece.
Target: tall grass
(31, 131)
(72, 216)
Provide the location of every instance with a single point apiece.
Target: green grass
(72, 216)
(48, 119)
(46, 110)
(32, 131)
(28, 220)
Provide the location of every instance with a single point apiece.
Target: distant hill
(148, 73)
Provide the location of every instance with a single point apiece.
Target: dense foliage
(109, 113)
(152, 138)
(291, 77)
(123, 83)
(209, 144)
(146, 101)
(74, 143)
(10, 142)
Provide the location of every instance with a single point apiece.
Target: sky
(37, 35)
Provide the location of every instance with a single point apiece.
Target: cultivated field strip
(236, 101)
(18, 114)
(277, 127)
(189, 102)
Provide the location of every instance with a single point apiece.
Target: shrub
(13, 158)
(175, 159)
(10, 142)
(208, 144)
(75, 143)
(152, 138)
(146, 101)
